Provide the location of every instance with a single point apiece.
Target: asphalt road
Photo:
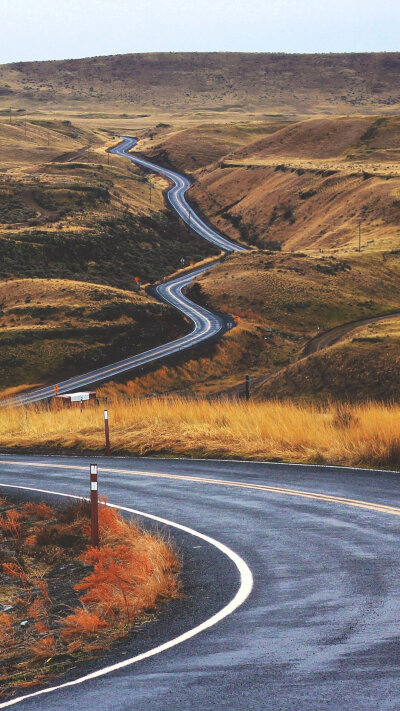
(176, 196)
(320, 629)
(340, 333)
(206, 325)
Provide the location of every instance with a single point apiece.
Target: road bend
(206, 324)
(318, 632)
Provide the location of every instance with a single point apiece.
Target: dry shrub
(41, 627)
(114, 585)
(11, 525)
(15, 570)
(80, 623)
(30, 541)
(44, 648)
(76, 511)
(131, 571)
(62, 535)
(6, 628)
(37, 609)
(40, 510)
(42, 585)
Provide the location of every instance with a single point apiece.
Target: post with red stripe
(94, 506)
(107, 432)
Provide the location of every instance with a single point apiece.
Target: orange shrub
(44, 648)
(40, 510)
(15, 570)
(6, 628)
(11, 525)
(81, 623)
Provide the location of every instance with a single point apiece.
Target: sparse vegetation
(66, 601)
(51, 328)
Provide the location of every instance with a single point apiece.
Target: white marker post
(94, 506)
(107, 432)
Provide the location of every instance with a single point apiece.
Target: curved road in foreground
(205, 324)
(320, 629)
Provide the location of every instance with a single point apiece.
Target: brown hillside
(362, 136)
(204, 82)
(281, 300)
(363, 367)
(198, 146)
(53, 328)
(309, 185)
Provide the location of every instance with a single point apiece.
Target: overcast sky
(58, 29)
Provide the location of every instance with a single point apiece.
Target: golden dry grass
(365, 435)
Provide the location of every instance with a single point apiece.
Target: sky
(61, 29)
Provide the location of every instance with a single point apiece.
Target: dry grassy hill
(65, 212)
(196, 147)
(262, 174)
(52, 328)
(364, 366)
(308, 186)
(204, 82)
(281, 301)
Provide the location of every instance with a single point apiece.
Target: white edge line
(245, 588)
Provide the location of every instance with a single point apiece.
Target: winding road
(206, 325)
(318, 631)
(290, 573)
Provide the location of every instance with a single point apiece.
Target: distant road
(176, 197)
(340, 333)
(205, 324)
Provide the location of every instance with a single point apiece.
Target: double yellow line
(315, 496)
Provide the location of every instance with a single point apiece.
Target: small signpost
(69, 399)
(94, 506)
(248, 387)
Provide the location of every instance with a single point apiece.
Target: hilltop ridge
(207, 81)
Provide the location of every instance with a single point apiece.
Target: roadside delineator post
(248, 387)
(107, 432)
(94, 506)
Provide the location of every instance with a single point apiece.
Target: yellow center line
(328, 498)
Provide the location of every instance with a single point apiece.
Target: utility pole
(150, 186)
(189, 220)
(10, 113)
(359, 236)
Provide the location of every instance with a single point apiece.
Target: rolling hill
(205, 82)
